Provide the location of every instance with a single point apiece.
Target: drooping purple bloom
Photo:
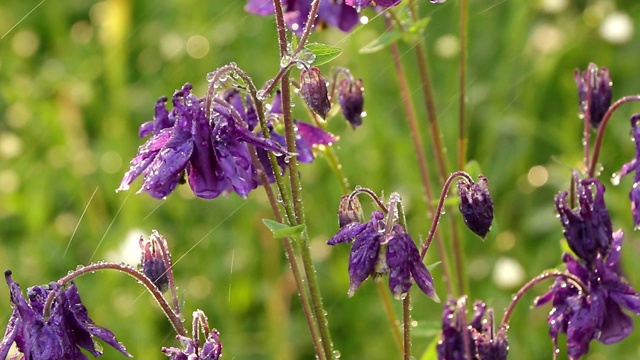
(374, 253)
(597, 313)
(211, 152)
(351, 101)
(211, 349)
(594, 91)
(588, 228)
(476, 205)
(481, 339)
(335, 13)
(59, 335)
(634, 166)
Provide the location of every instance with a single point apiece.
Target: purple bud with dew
(476, 205)
(313, 89)
(594, 91)
(153, 260)
(349, 211)
(351, 101)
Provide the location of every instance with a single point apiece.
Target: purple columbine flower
(335, 13)
(211, 349)
(633, 166)
(482, 340)
(351, 101)
(588, 228)
(374, 253)
(595, 314)
(594, 91)
(211, 152)
(476, 205)
(57, 335)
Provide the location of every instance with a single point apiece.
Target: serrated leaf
(280, 230)
(323, 52)
(380, 43)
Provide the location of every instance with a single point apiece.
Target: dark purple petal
(205, 178)
(347, 233)
(165, 171)
(420, 273)
(398, 263)
(314, 135)
(260, 7)
(616, 325)
(161, 119)
(338, 14)
(363, 257)
(143, 159)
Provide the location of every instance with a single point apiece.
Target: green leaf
(419, 25)
(434, 265)
(280, 230)
(430, 352)
(323, 53)
(380, 43)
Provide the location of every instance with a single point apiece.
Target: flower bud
(349, 211)
(594, 91)
(351, 101)
(476, 205)
(313, 89)
(152, 261)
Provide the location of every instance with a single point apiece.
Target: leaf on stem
(280, 230)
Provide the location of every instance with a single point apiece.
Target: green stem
(462, 78)
(414, 130)
(173, 317)
(406, 325)
(439, 151)
(391, 316)
(305, 249)
(291, 256)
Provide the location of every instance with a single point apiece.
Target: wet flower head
(478, 337)
(476, 205)
(594, 91)
(194, 349)
(377, 251)
(351, 101)
(58, 332)
(594, 313)
(588, 227)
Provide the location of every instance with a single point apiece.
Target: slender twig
(462, 79)
(602, 127)
(405, 97)
(443, 196)
(173, 317)
(291, 255)
(526, 287)
(406, 326)
(439, 150)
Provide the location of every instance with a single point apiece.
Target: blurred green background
(77, 78)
